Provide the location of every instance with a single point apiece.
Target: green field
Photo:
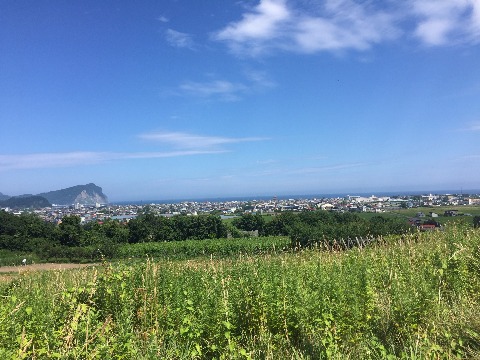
(440, 210)
(407, 297)
(209, 248)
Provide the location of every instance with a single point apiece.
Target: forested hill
(82, 194)
(4, 197)
(25, 202)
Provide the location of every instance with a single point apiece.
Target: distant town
(350, 203)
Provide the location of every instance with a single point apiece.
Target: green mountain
(23, 202)
(4, 197)
(88, 194)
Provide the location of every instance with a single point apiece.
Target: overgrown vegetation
(476, 221)
(414, 296)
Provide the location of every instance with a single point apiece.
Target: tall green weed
(404, 297)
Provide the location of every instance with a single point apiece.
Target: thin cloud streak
(469, 157)
(472, 127)
(183, 144)
(191, 141)
(55, 160)
(312, 170)
(47, 160)
(224, 89)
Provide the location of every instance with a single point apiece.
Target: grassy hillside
(411, 297)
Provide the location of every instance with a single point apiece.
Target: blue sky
(189, 99)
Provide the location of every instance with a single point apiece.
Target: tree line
(71, 239)
(313, 227)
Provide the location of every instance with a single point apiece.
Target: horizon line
(303, 196)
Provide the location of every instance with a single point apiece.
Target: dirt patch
(38, 267)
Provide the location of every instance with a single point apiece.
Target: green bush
(476, 222)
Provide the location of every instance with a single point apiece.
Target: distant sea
(297, 197)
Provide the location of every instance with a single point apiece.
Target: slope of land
(29, 201)
(81, 194)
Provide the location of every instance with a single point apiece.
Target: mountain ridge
(88, 194)
(33, 201)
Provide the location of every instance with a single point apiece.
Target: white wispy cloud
(445, 21)
(182, 140)
(276, 24)
(222, 89)
(259, 79)
(264, 23)
(344, 24)
(266, 162)
(179, 39)
(338, 25)
(225, 90)
(260, 28)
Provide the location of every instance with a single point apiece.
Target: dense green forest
(70, 240)
(29, 236)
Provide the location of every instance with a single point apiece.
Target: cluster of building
(350, 203)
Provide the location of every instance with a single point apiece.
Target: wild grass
(14, 258)
(410, 297)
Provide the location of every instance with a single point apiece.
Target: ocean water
(296, 197)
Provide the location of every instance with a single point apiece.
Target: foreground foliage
(410, 297)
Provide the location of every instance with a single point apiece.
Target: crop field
(179, 250)
(217, 248)
(405, 297)
(468, 212)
